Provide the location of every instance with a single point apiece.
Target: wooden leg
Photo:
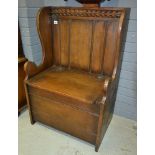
(96, 148)
(32, 121)
(100, 126)
(28, 105)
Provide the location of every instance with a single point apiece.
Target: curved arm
(32, 69)
(107, 83)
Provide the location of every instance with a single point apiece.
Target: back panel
(85, 38)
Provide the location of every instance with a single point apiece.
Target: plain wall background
(126, 102)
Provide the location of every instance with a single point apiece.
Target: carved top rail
(84, 12)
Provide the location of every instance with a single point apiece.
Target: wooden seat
(74, 88)
(78, 85)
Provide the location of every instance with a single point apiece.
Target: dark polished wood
(20, 47)
(74, 88)
(21, 74)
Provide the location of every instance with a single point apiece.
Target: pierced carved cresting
(86, 12)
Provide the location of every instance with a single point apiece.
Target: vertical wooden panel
(64, 42)
(80, 44)
(98, 46)
(56, 43)
(110, 49)
(73, 47)
(91, 46)
(69, 27)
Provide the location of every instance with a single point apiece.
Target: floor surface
(38, 139)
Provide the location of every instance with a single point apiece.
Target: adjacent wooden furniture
(74, 89)
(21, 75)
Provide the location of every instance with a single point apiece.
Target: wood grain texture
(21, 74)
(61, 116)
(74, 89)
(80, 40)
(70, 83)
(97, 54)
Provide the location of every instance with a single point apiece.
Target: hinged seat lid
(78, 85)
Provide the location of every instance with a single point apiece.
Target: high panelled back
(85, 43)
